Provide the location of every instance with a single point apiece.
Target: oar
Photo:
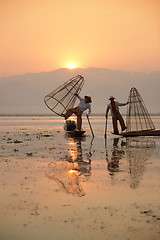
(90, 125)
(105, 134)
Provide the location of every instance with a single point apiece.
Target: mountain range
(24, 94)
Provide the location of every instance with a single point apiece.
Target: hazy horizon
(79, 68)
(24, 94)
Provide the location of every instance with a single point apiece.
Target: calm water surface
(57, 187)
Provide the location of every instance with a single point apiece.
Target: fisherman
(114, 108)
(78, 111)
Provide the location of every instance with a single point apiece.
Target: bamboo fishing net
(138, 118)
(64, 97)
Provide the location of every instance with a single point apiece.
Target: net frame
(57, 103)
(137, 118)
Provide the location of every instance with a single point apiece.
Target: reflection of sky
(67, 173)
(72, 149)
(58, 145)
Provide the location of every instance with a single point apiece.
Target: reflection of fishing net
(138, 152)
(64, 97)
(66, 177)
(138, 118)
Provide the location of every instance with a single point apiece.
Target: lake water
(56, 187)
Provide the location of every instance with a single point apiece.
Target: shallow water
(57, 187)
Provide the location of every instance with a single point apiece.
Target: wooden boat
(76, 133)
(70, 128)
(141, 133)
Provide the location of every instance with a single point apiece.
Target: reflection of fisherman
(114, 108)
(67, 173)
(117, 154)
(78, 111)
(83, 167)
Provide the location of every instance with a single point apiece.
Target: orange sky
(43, 35)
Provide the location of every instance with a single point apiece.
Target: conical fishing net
(138, 118)
(64, 97)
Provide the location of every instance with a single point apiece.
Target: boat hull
(75, 133)
(141, 133)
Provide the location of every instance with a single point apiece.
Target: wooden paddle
(90, 125)
(105, 134)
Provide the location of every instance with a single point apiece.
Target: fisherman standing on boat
(78, 111)
(114, 108)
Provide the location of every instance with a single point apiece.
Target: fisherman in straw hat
(114, 108)
(85, 103)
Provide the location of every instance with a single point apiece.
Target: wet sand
(57, 187)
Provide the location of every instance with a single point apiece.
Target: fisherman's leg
(121, 121)
(115, 125)
(79, 118)
(79, 122)
(69, 113)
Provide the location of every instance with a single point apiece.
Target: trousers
(117, 116)
(78, 113)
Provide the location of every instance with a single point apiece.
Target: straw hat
(90, 100)
(111, 97)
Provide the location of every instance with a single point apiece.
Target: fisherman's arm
(76, 94)
(122, 104)
(89, 110)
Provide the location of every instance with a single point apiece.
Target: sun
(71, 66)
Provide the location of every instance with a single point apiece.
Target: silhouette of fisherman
(78, 111)
(117, 154)
(113, 106)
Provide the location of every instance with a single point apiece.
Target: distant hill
(23, 94)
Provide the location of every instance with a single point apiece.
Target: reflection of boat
(70, 128)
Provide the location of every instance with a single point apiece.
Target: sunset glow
(73, 171)
(72, 153)
(117, 35)
(71, 66)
